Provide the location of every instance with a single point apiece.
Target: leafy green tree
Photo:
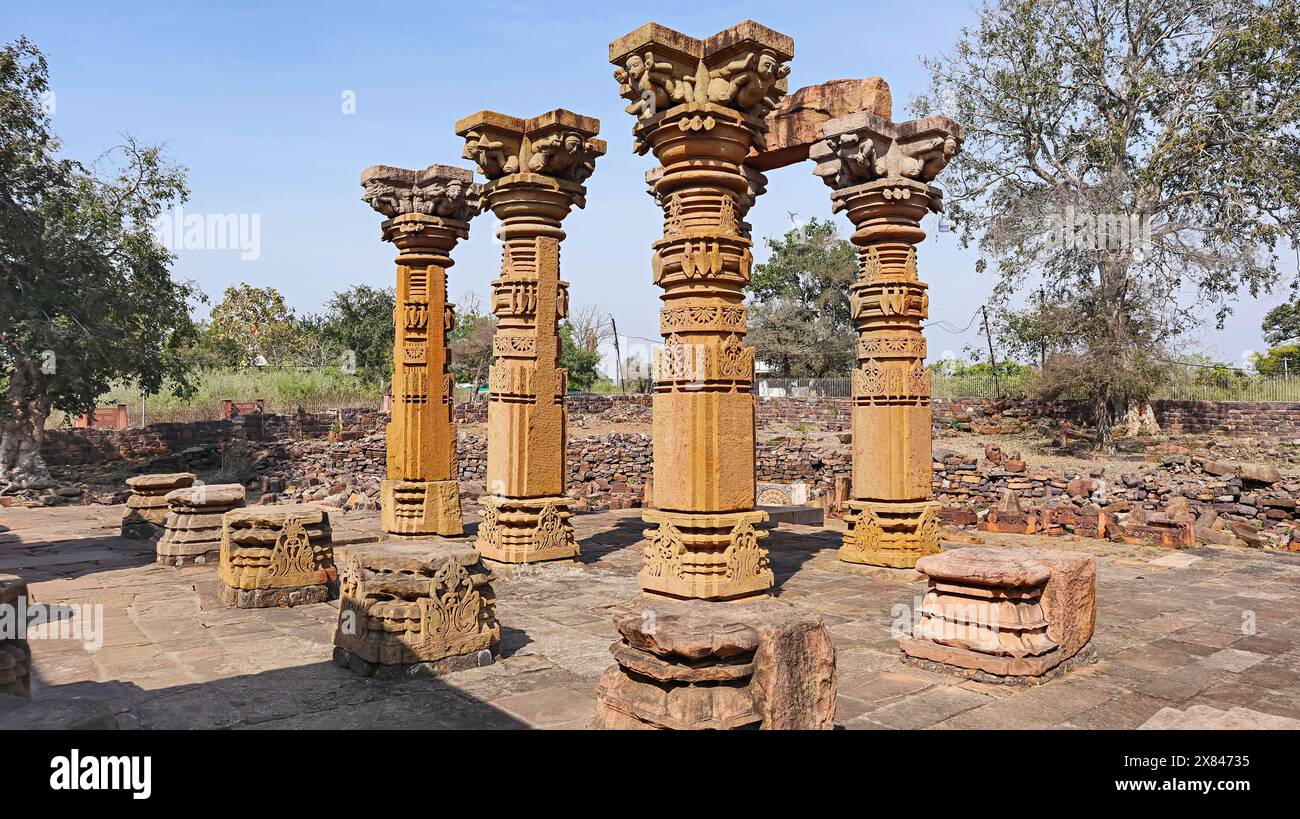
(1120, 154)
(1282, 323)
(86, 293)
(580, 363)
(360, 320)
(800, 319)
(208, 350)
(258, 321)
(1283, 359)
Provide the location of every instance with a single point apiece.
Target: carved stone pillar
(429, 211)
(879, 172)
(700, 108)
(535, 169)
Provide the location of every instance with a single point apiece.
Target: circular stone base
(1085, 656)
(447, 665)
(276, 598)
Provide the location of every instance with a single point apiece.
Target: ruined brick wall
(1253, 418)
(77, 447)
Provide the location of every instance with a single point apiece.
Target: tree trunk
(1105, 434)
(23, 429)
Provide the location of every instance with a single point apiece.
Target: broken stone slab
(1005, 612)
(691, 664)
(412, 607)
(1262, 474)
(796, 124)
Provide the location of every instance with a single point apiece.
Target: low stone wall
(981, 415)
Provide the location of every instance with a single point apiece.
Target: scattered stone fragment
(691, 664)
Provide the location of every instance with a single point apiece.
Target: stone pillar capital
(670, 79)
(872, 164)
(554, 151)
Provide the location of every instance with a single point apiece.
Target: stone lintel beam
(796, 125)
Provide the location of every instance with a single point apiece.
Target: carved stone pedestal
(15, 654)
(890, 534)
(192, 528)
(416, 508)
(147, 506)
(525, 530)
(705, 556)
(1005, 612)
(414, 607)
(691, 664)
(276, 556)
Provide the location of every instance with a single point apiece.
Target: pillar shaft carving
(428, 213)
(701, 108)
(879, 172)
(535, 169)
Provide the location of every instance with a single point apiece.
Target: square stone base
(526, 530)
(276, 598)
(890, 534)
(420, 508)
(705, 556)
(977, 661)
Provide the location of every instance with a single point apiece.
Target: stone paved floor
(1204, 638)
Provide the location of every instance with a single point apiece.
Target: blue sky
(249, 98)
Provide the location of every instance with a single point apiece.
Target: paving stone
(1232, 659)
(1167, 640)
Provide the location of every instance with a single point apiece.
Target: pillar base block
(893, 534)
(420, 508)
(414, 607)
(526, 530)
(705, 556)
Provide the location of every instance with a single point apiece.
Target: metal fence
(941, 386)
(1185, 383)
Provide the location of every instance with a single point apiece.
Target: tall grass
(283, 390)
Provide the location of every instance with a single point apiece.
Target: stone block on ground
(146, 507)
(192, 528)
(276, 556)
(694, 664)
(1003, 612)
(15, 654)
(411, 607)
